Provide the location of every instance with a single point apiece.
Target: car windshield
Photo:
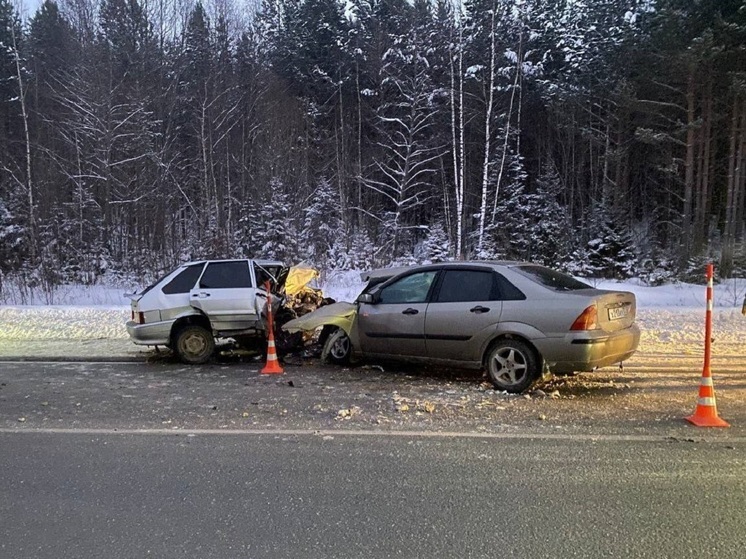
(551, 278)
(373, 282)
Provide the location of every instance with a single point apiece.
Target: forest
(606, 138)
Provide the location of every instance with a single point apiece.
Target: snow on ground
(671, 318)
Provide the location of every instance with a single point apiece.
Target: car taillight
(588, 320)
(141, 317)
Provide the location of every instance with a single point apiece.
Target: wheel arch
(501, 336)
(196, 319)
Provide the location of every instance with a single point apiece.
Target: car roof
(261, 262)
(384, 272)
(449, 264)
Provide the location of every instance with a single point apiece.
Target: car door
(463, 313)
(395, 324)
(226, 294)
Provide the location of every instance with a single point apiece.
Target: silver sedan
(515, 319)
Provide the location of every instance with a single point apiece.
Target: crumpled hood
(298, 278)
(339, 314)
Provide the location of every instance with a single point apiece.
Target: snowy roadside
(96, 332)
(92, 325)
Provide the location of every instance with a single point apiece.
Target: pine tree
(10, 125)
(509, 234)
(436, 246)
(611, 252)
(549, 229)
(192, 126)
(322, 224)
(51, 52)
(126, 34)
(13, 239)
(277, 235)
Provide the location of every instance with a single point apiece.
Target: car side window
(411, 289)
(226, 275)
(262, 276)
(460, 286)
(184, 281)
(508, 291)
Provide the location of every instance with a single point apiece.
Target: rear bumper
(587, 351)
(155, 333)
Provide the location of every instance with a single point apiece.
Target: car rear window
(184, 282)
(551, 278)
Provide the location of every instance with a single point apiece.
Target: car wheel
(338, 347)
(512, 365)
(194, 344)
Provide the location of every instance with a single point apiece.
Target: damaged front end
(300, 297)
(332, 329)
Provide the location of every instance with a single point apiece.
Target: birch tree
(401, 173)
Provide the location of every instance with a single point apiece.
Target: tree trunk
(457, 131)
(516, 81)
(726, 260)
(706, 191)
(27, 141)
(488, 133)
(686, 220)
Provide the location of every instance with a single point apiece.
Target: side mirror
(366, 298)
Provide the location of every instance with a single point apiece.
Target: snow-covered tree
(277, 235)
(402, 171)
(354, 253)
(322, 224)
(550, 227)
(436, 246)
(611, 251)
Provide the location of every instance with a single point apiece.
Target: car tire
(194, 345)
(512, 365)
(337, 348)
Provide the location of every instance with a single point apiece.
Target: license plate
(618, 312)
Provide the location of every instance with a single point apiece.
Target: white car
(200, 301)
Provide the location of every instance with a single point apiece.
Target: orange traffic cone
(706, 413)
(272, 366)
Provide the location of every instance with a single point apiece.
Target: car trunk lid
(616, 310)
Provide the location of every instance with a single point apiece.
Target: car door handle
(479, 309)
(201, 295)
(410, 311)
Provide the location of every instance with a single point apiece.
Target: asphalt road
(159, 460)
(125, 495)
(649, 402)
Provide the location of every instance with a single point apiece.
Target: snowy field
(90, 319)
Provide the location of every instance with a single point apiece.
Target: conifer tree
(611, 251)
(436, 247)
(277, 234)
(322, 224)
